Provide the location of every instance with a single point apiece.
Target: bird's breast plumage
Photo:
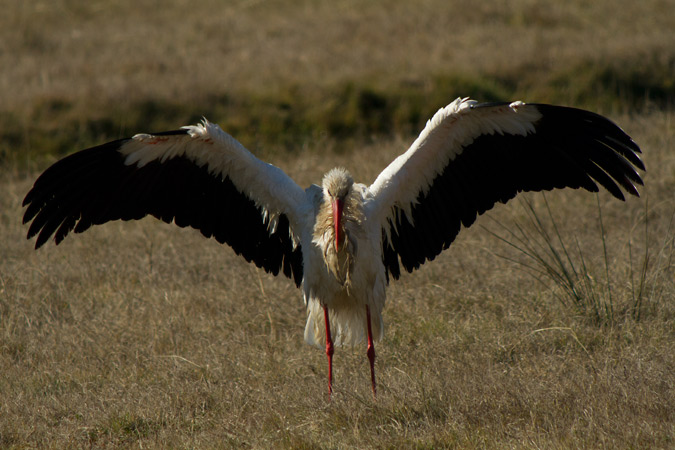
(340, 261)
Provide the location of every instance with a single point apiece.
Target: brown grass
(144, 335)
(280, 74)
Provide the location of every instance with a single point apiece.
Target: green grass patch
(350, 112)
(279, 120)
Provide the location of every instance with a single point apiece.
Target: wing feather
(470, 156)
(197, 176)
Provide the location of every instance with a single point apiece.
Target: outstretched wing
(470, 156)
(198, 176)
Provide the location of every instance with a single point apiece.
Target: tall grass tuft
(647, 285)
(587, 289)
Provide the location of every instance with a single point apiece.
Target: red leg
(329, 352)
(371, 352)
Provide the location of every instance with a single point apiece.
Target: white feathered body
(346, 280)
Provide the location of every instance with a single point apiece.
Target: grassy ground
(282, 74)
(145, 335)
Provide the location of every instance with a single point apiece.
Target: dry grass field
(144, 335)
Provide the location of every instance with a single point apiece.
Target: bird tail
(348, 324)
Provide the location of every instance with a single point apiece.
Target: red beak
(337, 221)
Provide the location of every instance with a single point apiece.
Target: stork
(341, 242)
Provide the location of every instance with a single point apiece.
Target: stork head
(337, 184)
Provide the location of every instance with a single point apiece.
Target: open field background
(145, 335)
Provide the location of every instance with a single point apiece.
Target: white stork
(340, 241)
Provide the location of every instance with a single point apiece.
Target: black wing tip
(26, 200)
(40, 195)
(26, 217)
(42, 239)
(605, 131)
(612, 131)
(619, 196)
(637, 162)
